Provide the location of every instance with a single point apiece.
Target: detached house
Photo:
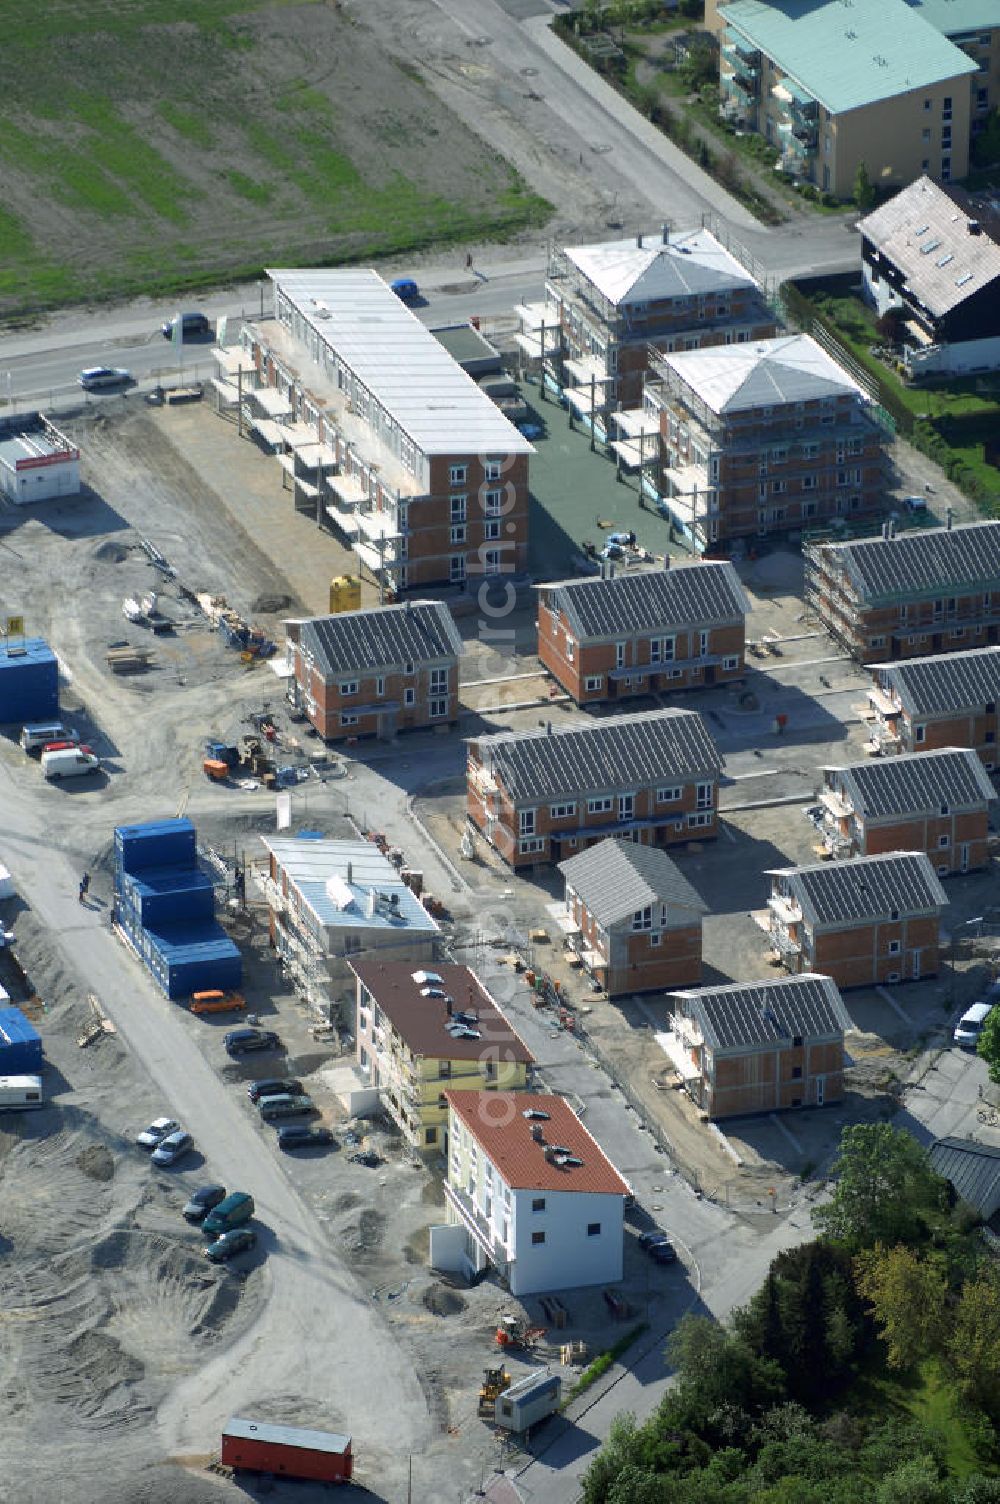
(538, 796)
(424, 1031)
(632, 917)
(904, 595)
(376, 672)
(531, 1193)
(874, 919)
(636, 634)
(927, 703)
(935, 802)
(760, 1046)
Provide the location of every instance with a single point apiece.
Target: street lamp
(963, 924)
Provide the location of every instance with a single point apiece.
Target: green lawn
(931, 1399)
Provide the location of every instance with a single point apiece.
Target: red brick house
(876, 919)
(636, 634)
(632, 917)
(760, 1046)
(539, 796)
(905, 595)
(376, 672)
(935, 802)
(922, 704)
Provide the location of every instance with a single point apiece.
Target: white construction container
(20, 1093)
(532, 1399)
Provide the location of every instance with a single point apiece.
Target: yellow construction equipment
(495, 1381)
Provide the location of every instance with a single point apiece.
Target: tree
(864, 189)
(975, 1339)
(720, 1370)
(884, 1191)
(989, 1044)
(916, 1481)
(908, 1295)
(986, 146)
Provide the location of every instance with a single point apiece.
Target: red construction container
(287, 1451)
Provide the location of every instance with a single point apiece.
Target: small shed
(972, 1169)
(20, 1044)
(29, 681)
(532, 1399)
(287, 1451)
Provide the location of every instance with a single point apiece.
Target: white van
(69, 762)
(18, 1093)
(970, 1025)
(39, 733)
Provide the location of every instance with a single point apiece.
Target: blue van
(405, 288)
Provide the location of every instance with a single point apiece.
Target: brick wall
(765, 1081)
(863, 956)
(918, 833)
(326, 703)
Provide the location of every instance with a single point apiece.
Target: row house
(935, 802)
(426, 480)
(644, 633)
(904, 595)
(632, 917)
(606, 305)
(427, 1031)
(530, 1194)
(872, 920)
(923, 704)
(375, 672)
(762, 439)
(538, 796)
(753, 1047)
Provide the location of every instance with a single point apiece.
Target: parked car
(916, 504)
(405, 288)
(273, 1086)
(231, 1243)
(365, 1157)
(285, 1105)
(70, 762)
(237, 1208)
(662, 1253)
(156, 1132)
(240, 1041)
(172, 1148)
(40, 734)
(192, 325)
(651, 1235)
(202, 1201)
(301, 1136)
(102, 378)
(970, 1025)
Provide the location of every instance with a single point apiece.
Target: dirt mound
(346, 1203)
(97, 1162)
(365, 1235)
(269, 605)
(441, 1301)
(110, 552)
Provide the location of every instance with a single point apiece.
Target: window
(730, 665)
(796, 1072)
(946, 137)
(493, 503)
(493, 469)
(946, 169)
(943, 809)
(593, 683)
(491, 531)
(894, 947)
(982, 99)
(593, 1229)
(408, 670)
(570, 643)
(457, 475)
(619, 655)
(797, 1042)
(537, 1237)
(457, 569)
(925, 165)
(704, 796)
(668, 796)
(437, 709)
(925, 135)
(699, 822)
(458, 534)
(662, 649)
(919, 734)
(526, 822)
(643, 920)
(538, 1204)
(927, 104)
(431, 1135)
(349, 687)
(626, 806)
(532, 846)
(458, 506)
(654, 938)
(348, 720)
(602, 806)
(946, 107)
(944, 842)
(409, 696)
(491, 559)
(877, 642)
(808, 482)
(561, 811)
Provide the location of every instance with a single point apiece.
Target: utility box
(29, 681)
(287, 1451)
(532, 1399)
(345, 594)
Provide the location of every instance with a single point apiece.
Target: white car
(104, 378)
(172, 1148)
(156, 1132)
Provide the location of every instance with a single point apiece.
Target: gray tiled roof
(618, 753)
(755, 1013)
(915, 782)
(973, 1169)
(615, 879)
(384, 637)
(950, 681)
(926, 563)
(924, 233)
(695, 593)
(869, 887)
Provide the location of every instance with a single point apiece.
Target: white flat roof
(356, 313)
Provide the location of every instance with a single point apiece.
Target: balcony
(476, 1225)
(785, 910)
(786, 942)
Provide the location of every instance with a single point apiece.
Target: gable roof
(848, 55)
(951, 681)
(426, 1025)
(614, 879)
(867, 887)
(916, 781)
(686, 264)
(382, 637)
(640, 748)
(924, 232)
(497, 1122)
(956, 16)
(973, 1169)
(710, 591)
(769, 373)
(755, 1013)
(923, 564)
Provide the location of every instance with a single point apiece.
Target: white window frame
(458, 475)
(701, 820)
(456, 569)
(437, 708)
(593, 683)
(459, 532)
(491, 530)
(562, 811)
(703, 796)
(531, 845)
(348, 687)
(526, 822)
(459, 508)
(729, 665)
(642, 920)
(603, 804)
(671, 795)
(348, 720)
(409, 697)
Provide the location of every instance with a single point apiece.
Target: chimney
(892, 528)
(974, 227)
(666, 561)
(949, 518)
(638, 241)
(447, 1004)
(537, 1134)
(611, 569)
(665, 233)
(371, 904)
(350, 872)
(548, 728)
(885, 530)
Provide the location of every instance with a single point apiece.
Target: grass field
(152, 145)
(929, 1397)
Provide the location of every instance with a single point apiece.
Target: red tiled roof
(422, 1022)
(497, 1123)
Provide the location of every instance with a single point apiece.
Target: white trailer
(530, 1400)
(20, 1093)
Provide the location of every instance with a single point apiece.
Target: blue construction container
(188, 958)
(29, 682)
(20, 1045)
(168, 896)
(154, 845)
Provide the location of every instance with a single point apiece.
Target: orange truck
(217, 1002)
